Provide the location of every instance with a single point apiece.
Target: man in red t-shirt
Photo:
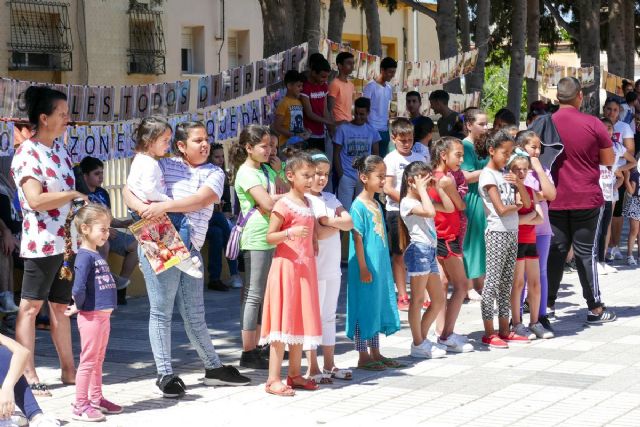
(577, 208)
(314, 103)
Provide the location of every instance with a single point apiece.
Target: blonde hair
(88, 215)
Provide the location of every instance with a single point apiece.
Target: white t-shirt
(421, 229)
(621, 131)
(329, 249)
(496, 222)
(396, 163)
(380, 97)
(145, 179)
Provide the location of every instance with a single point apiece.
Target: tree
(616, 59)
(464, 25)
(337, 15)
(483, 20)
(516, 70)
(311, 31)
(587, 39)
(447, 37)
(372, 18)
(278, 18)
(630, 33)
(533, 44)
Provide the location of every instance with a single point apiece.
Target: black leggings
(578, 228)
(603, 228)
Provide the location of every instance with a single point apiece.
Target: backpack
(233, 245)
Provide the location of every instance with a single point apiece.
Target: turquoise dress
(371, 305)
(473, 248)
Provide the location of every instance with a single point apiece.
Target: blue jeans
(218, 236)
(22, 393)
(163, 289)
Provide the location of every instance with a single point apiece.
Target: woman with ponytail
(43, 171)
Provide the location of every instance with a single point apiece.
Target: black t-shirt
(445, 124)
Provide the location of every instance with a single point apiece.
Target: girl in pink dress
(291, 313)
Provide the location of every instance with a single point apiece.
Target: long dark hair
(412, 170)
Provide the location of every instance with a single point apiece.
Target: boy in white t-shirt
(402, 137)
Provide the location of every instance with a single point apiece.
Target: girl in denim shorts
(419, 241)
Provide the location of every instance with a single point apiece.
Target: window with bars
(40, 35)
(147, 47)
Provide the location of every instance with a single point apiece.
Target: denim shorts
(420, 259)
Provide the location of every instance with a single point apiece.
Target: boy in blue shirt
(353, 140)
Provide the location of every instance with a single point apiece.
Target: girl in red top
(446, 155)
(527, 260)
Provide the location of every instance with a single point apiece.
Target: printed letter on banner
(248, 78)
(236, 82)
(233, 122)
(204, 83)
(119, 141)
(210, 124)
(143, 104)
(171, 97)
(76, 103)
(91, 103)
(216, 89)
(73, 144)
(105, 138)
(225, 85)
(107, 94)
(184, 94)
(261, 74)
(127, 103)
(157, 99)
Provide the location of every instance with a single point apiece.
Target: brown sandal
(285, 391)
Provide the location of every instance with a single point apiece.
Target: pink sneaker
(107, 407)
(87, 413)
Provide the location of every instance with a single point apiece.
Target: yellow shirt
(291, 110)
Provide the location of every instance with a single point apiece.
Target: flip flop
(373, 366)
(40, 389)
(285, 391)
(392, 364)
(340, 374)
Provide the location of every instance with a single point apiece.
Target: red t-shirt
(576, 171)
(317, 94)
(527, 233)
(447, 224)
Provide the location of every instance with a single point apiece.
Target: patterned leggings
(364, 345)
(502, 249)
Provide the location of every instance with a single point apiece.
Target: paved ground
(585, 376)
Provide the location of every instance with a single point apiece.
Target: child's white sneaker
(191, 267)
(631, 261)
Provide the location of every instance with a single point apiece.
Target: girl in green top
(254, 188)
(475, 159)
